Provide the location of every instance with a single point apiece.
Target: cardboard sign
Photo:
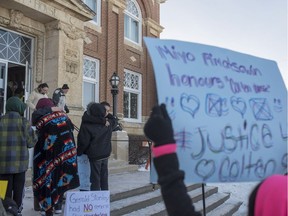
(3, 188)
(228, 109)
(87, 203)
(84, 172)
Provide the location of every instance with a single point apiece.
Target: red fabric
(44, 102)
(164, 149)
(271, 198)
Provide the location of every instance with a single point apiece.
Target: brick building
(82, 43)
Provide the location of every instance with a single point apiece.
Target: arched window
(133, 22)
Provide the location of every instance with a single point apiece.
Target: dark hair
(43, 85)
(105, 103)
(19, 91)
(65, 86)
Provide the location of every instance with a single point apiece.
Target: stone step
(226, 209)
(133, 192)
(212, 202)
(214, 199)
(133, 203)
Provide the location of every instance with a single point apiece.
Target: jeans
(99, 174)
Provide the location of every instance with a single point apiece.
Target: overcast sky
(255, 27)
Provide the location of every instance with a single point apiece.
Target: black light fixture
(114, 82)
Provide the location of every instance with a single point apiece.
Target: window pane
(88, 93)
(15, 47)
(134, 31)
(132, 23)
(126, 104)
(91, 4)
(134, 105)
(89, 68)
(126, 26)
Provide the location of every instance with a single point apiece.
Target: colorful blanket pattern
(55, 159)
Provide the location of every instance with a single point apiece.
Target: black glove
(159, 128)
(66, 109)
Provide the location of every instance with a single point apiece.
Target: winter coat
(33, 98)
(16, 136)
(55, 157)
(59, 99)
(94, 138)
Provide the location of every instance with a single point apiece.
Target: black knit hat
(65, 86)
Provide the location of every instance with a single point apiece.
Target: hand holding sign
(159, 127)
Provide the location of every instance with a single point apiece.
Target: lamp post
(114, 82)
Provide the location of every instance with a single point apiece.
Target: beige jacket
(33, 99)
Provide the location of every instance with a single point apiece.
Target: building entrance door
(15, 57)
(12, 77)
(3, 81)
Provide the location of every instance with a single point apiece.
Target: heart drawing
(205, 169)
(190, 104)
(239, 105)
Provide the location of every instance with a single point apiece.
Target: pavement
(118, 183)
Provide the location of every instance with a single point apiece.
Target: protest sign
(87, 203)
(84, 172)
(3, 188)
(228, 109)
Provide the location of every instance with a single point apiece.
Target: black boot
(36, 204)
(49, 212)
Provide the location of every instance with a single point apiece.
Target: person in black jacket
(159, 129)
(94, 140)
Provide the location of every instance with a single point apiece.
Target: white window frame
(91, 80)
(97, 19)
(139, 98)
(133, 17)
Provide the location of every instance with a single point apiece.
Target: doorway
(12, 76)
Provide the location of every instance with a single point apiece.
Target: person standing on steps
(59, 97)
(40, 92)
(94, 140)
(55, 157)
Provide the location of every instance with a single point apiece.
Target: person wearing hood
(16, 136)
(55, 157)
(40, 92)
(94, 140)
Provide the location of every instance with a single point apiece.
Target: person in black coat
(94, 140)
